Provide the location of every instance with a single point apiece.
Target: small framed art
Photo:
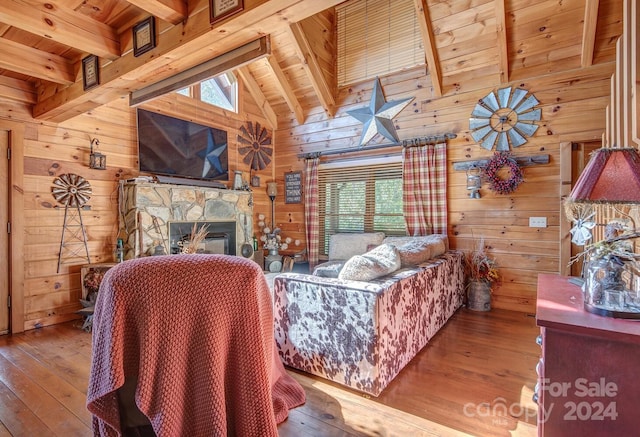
(221, 9)
(144, 36)
(90, 72)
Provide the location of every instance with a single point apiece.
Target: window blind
(360, 199)
(376, 37)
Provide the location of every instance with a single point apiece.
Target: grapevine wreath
(491, 171)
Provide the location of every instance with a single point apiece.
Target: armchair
(192, 336)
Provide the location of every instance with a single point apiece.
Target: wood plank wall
(572, 99)
(54, 149)
(573, 105)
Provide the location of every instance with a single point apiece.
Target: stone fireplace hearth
(147, 209)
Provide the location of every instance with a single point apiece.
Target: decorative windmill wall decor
(505, 117)
(72, 191)
(256, 146)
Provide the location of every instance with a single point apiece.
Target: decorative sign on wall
(293, 187)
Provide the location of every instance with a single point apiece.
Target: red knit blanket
(197, 333)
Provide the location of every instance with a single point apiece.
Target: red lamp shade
(612, 175)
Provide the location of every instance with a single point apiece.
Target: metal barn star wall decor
(211, 157)
(378, 116)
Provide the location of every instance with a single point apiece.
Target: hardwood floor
(476, 377)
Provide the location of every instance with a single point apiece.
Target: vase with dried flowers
(482, 275)
(271, 238)
(196, 238)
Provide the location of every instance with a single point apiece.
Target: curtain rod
(412, 142)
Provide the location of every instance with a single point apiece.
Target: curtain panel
(424, 189)
(311, 213)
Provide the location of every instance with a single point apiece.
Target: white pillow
(378, 262)
(345, 245)
(416, 250)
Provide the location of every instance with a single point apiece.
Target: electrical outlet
(537, 222)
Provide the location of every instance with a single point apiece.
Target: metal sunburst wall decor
(256, 146)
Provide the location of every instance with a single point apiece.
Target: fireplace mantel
(146, 208)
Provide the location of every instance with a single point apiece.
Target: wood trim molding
(16, 238)
(564, 236)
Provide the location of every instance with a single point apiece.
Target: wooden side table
(588, 373)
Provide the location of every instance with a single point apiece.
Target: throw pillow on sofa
(345, 245)
(416, 250)
(380, 261)
(329, 269)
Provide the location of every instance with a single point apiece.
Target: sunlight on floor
(381, 420)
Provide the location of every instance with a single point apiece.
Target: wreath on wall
(498, 184)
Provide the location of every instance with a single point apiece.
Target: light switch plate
(537, 222)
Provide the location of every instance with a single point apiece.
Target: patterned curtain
(424, 189)
(311, 210)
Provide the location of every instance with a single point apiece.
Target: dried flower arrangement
(92, 281)
(479, 267)
(271, 238)
(196, 238)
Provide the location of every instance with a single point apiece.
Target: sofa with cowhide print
(363, 326)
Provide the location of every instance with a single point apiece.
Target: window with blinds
(360, 199)
(376, 37)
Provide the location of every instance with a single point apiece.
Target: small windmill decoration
(256, 146)
(583, 218)
(72, 191)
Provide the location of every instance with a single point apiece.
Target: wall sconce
(474, 181)
(97, 160)
(272, 192)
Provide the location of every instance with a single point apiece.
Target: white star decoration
(377, 117)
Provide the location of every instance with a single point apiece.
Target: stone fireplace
(155, 217)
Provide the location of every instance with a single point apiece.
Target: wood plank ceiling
(42, 44)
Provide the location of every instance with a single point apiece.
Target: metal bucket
(479, 296)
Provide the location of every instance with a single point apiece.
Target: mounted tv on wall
(173, 147)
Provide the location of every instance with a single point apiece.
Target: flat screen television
(174, 147)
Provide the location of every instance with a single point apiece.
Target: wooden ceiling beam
(17, 90)
(37, 63)
(172, 11)
(285, 88)
(256, 92)
(311, 66)
(62, 24)
(589, 32)
(430, 50)
(501, 35)
(178, 48)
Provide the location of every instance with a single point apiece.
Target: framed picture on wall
(90, 72)
(144, 36)
(221, 9)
